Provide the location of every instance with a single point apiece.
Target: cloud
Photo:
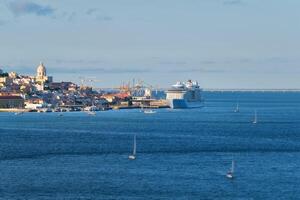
(72, 16)
(196, 70)
(232, 2)
(96, 70)
(208, 62)
(80, 70)
(184, 63)
(167, 62)
(125, 70)
(80, 62)
(25, 7)
(96, 14)
(104, 18)
(91, 11)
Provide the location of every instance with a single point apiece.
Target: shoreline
(24, 110)
(14, 110)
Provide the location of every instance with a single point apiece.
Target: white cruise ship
(184, 95)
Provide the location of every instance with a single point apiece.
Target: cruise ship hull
(182, 103)
(184, 95)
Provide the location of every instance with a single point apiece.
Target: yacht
(133, 155)
(184, 95)
(231, 171)
(255, 117)
(237, 109)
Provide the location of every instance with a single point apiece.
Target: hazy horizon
(221, 43)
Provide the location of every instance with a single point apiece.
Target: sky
(221, 43)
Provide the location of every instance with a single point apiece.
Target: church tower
(41, 77)
(41, 71)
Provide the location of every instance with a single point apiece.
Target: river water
(181, 154)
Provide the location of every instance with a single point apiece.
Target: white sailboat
(255, 117)
(231, 171)
(237, 109)
(133, 155)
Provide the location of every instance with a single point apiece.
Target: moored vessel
(149, 111)
(184, 95)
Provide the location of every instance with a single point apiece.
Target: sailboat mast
(134, 145)
(232, 166)
(237, 107)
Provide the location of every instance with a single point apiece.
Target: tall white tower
(41, 71)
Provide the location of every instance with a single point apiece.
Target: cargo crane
(142, 88)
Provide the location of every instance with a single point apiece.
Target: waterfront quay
(40, 93)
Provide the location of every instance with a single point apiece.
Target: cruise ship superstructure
(184, 95)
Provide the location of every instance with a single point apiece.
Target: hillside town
(40, 93)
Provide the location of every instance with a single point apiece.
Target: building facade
(11, 101)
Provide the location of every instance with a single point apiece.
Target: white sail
(231, 171)
(134, 145)
(132, 157)
(237, 109)
(255, 117)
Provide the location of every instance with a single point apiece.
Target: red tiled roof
(122, 95)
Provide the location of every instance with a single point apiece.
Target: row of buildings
(40, 92)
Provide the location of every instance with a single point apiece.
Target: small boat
(133, 155)
(231, 171)
(237, 109)
(91, 113)
(19, 113)
(255, 117)
(149, 111)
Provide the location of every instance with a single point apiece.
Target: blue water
(182, 154)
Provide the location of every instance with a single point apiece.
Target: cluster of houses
(41, 93)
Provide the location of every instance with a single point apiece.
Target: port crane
(134, 88)
(141, 87)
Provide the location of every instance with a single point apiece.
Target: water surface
(182, 154)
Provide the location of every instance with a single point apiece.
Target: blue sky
(220, 43)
